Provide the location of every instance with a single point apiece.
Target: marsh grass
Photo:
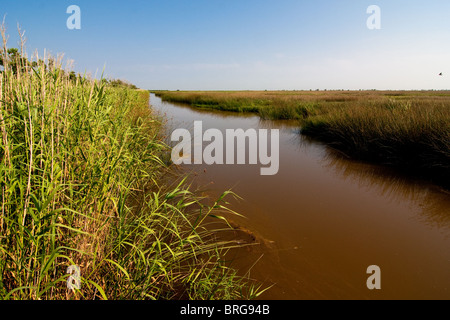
(81, 174)
(412, 135)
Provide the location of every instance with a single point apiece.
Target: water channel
(323, 219)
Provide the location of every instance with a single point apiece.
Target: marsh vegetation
(83, 182)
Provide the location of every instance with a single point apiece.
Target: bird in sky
(440, 74)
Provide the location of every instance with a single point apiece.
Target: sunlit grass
(413, 136)
(81, 167)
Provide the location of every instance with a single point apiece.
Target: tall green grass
(82, 183)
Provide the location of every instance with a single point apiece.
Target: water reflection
(394, 186)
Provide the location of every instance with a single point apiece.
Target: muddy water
(317, 225)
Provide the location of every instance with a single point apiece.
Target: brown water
(323, 220)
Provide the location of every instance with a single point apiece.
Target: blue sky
(245, 44)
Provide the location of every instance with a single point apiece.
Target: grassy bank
(413, 136)
(82, 183)
(409, 130)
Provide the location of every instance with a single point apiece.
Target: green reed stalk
(81, 171)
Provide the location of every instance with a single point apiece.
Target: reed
(82, 183)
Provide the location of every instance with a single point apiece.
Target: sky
(245, 44)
